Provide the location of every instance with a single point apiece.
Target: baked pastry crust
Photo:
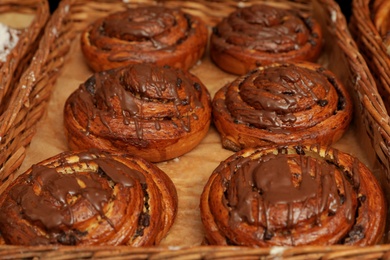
(282, 103)
(89, 198)
(158, 113)
(261, 34)
(290, 196)
(153, 34)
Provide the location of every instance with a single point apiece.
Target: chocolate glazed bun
(89, 198)
(291, 196)
(280, 104)
(260, 34)
(158, 113)
(153, 34)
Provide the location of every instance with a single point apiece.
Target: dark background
(345, 6)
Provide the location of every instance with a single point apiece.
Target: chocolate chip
(355, 234)
(215, 31)
(197, 86)
(90, 85)
(299, 150)
(288, 93)
(268, 235)
(178, 82)
(312, 42)
(342, 198)
(322, 102)
(184, 102)
(320, 69)
(362, 198)
(309, 22)
(144, 220)
(314, 35)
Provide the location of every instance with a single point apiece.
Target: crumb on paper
(8, 39)
(176, 159)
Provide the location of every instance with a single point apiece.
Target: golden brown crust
(260, 34)
(282, 103)
(89, 198)
(158, 113)
(290, 196)
(153, 34)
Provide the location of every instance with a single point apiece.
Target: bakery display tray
(59, 69)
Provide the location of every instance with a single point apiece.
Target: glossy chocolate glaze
(272, 98)
(268, 29)
(135, 87)
(292, 195)
(307, 190)
(47, 196)
(149, 28)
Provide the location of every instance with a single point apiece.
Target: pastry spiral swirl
(282, 103)
(260, 34)
(89, 198)
(153, 34)
(290, 196)
(158, 113)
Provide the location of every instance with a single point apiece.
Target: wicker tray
(59, 60)
(373, 50)
(29, 17)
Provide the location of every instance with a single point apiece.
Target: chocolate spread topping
(266, 28)
(136, 87)
(152, 28)
(45, 194)
(304, 185)
(270, 98)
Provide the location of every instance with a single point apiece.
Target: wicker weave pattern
(15, 133)
(373, 50)
(18, 124)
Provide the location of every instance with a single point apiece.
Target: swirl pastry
(260, 34)
(158, 113)
(89, 198)
(291, 196)
(153, 34)
(282, 103)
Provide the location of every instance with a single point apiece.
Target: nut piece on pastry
(280, 104)
(157, 113)
(153, 34)
(260, 34)
(89, 198)
(291, 196)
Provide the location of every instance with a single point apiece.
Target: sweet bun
(157, 113)
(262, 34)
(153, 34)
